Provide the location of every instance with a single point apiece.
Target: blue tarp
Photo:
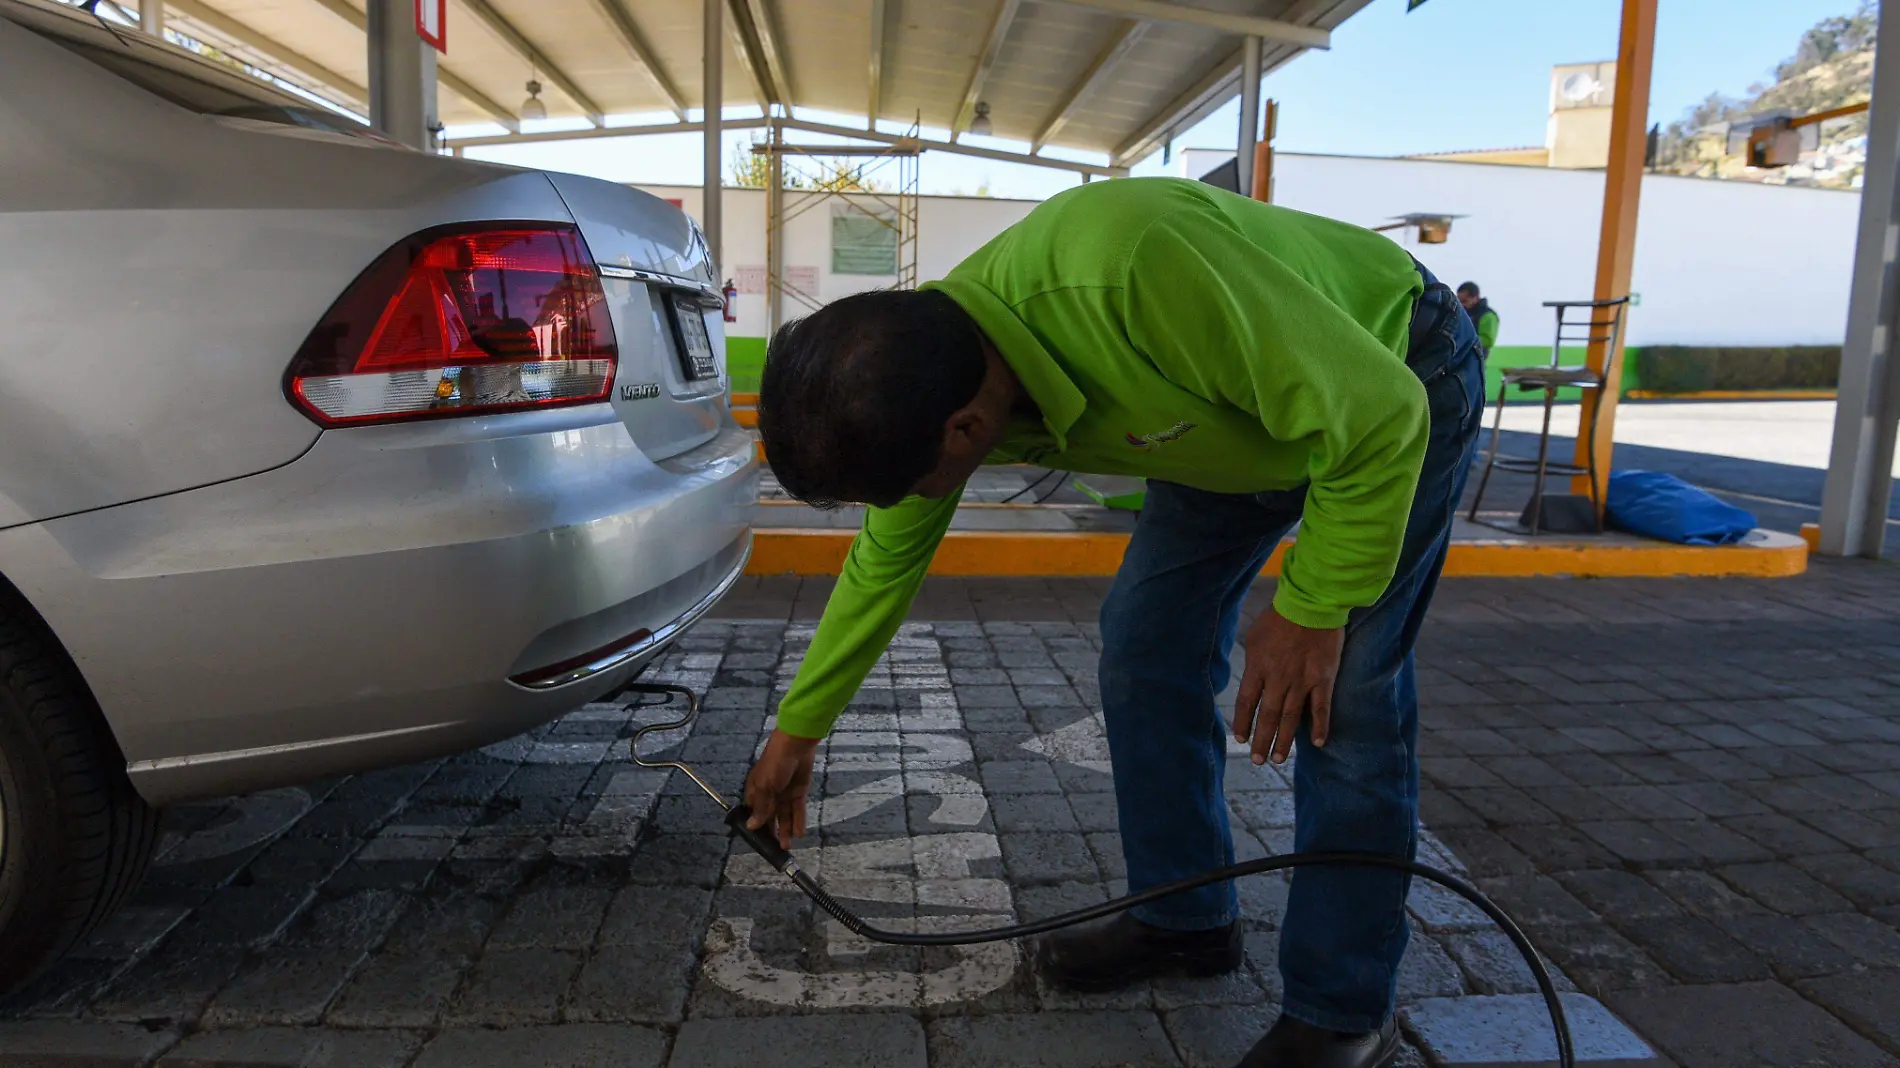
(1662, 506)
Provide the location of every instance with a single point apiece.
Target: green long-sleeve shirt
(1488, 330)
(1168, 329)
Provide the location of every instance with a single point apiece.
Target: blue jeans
(1167, 626)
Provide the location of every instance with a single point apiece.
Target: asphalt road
(1767, 457)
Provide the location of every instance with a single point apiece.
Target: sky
(1454, 74)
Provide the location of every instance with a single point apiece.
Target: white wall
(1716, 262)
(949, 229)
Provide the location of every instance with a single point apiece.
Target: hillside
(1832, 65)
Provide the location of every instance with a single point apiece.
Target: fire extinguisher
(731, 293)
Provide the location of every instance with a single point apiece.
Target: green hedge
(1655, 368)
(1698, 368)
(745, 359)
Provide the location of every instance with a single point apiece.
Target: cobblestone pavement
(1688, 791)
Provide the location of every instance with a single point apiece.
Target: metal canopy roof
(1115, 77)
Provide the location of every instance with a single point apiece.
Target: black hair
(854, 397)
(1469, 289)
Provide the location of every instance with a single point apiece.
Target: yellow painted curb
(745, 400)
(746, 417)
(1069, 554)
(1771, 555)
(1811, 533)
(1733, 394)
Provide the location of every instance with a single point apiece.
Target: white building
(1717, 263)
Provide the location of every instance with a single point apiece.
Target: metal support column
(401, 76)
(775, 230)
(1616, 241)
(1263, 157)
(152, 17)
(712, 97)
(1860, 468)
(1249, 114)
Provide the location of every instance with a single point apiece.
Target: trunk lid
(670, 388)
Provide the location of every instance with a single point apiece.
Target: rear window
(189, 82)
(310, 118)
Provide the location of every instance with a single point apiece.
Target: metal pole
(1263, 157)
(1249, 115)
(876, 73)
(1859, 482)
(1616, 241)
(775, 232)
(402, 100)
(711, 213)
(375, 37)
(152, 17)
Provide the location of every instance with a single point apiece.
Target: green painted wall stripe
(1505, 356)
(745, 359)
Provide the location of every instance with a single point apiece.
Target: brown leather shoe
(1123, 951)
(1292, 1044)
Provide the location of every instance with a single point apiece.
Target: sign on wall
(751, 278)
(863, 241)
(432, 23)
(802, 279)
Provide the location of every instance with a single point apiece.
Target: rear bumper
(636, 648)
(372, 603)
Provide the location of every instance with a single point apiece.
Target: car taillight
(452, 323)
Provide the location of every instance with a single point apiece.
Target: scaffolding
(877, 185)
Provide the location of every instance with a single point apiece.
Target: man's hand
(1290, 671)
(775, 789)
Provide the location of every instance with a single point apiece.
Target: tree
(749, 170)
(1841, 35)
(753, 170)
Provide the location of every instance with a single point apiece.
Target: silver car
(316, 453)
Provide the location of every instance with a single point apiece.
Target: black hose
(1566, 1053)
(1055, 488)
(1027, 487)
(763, 842)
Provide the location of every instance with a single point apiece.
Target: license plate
(696, 350)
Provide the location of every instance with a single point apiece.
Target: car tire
(75, 838)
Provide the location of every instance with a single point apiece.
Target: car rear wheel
(74, 836)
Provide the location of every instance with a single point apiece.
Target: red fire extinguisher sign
(731, 293)
(432, 23)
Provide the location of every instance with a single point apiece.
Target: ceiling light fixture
(1433, 227)
(980, 125)
(533, 108)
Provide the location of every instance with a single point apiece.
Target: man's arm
(881, 576)
(1226, 320)
(1488, 330)
(886, 565)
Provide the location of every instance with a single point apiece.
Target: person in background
(1482, 317)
